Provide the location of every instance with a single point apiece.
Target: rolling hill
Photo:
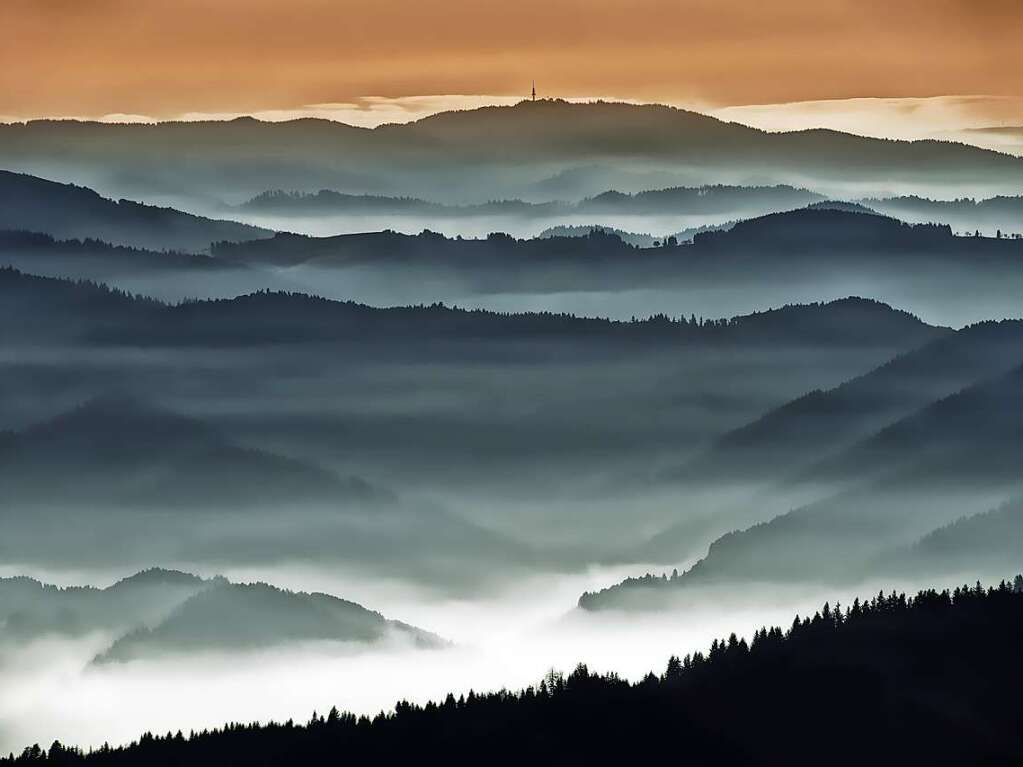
(89, 313)
(232, 617)
(680, 201)
(69, 212)
(30, 609)
(782, 442)
(158, 612)
(460, 151)
(123, 452)
(816, 239)
(958, 455)
(990, 215)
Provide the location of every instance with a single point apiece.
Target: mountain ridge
(101, 315)
(27, 202)
(527, 139)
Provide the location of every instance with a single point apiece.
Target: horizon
(936, 69)
(936, 118)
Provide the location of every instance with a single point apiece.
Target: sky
(867, 64)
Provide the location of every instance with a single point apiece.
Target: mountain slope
(232, 617)
(786, 439)
(168, 276)
(30, 609)
(157, 611)
(982, 543)
(118, 469)
(956, 456)
(972, 432)
(66, 211)
(930, 678)
(87, 313)
(121, 451)
(989, 215)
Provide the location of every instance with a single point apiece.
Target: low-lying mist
(479, 226)
(49, 690)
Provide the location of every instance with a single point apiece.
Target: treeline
(717, 198)
(16, 239)
(101, 313)
(931, 679)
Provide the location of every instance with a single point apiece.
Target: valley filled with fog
(509, 639)
(334, 417)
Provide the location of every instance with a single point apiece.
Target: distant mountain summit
(487, 153)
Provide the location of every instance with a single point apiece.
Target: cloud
(972, 119)
(160, 58)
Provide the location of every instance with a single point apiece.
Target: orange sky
(164, 58)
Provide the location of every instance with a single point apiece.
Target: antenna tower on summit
(533, 97)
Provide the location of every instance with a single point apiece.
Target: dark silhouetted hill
(1001, 212)
(969, 434)
(639, 240)
(828, 229)
(329, 202)
(926, 679)
(706, 200)
(74, 309)
(803, 245)
(66, 211)
(432, 250)
(39, 253)
(89, 313)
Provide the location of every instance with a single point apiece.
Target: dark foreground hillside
(932, 679)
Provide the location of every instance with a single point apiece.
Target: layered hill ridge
(67, 211)
(819, 237)
(783, 441)
(118, 449)
(979, 543)
(231, 617)
(706, 200)
(531, 141)
(157, 612)
(877, 462)
(954, 457)
(88, 312)
(791, 256)
(30, 609)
